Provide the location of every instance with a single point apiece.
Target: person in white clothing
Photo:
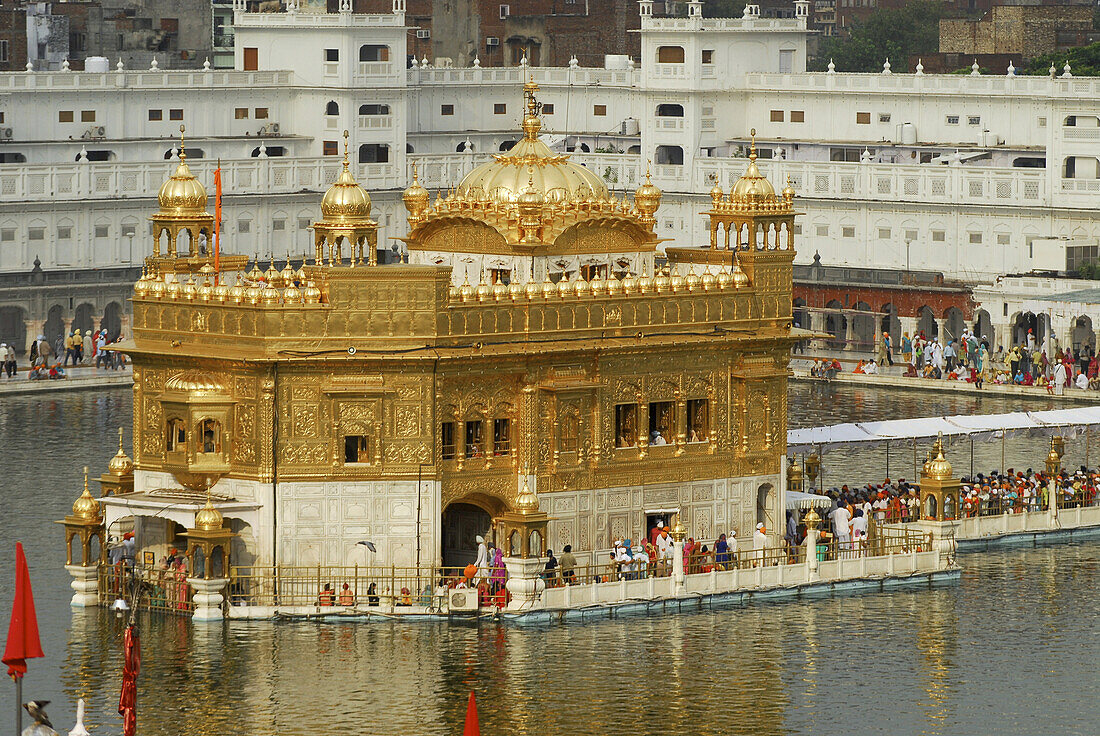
(859, 531)
(842, 527)
(482, 560)
(759, 541)
(1059, 379)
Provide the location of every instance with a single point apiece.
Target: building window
(4, 51)
(1003, 238)
(36, 233)
(210, 434)
(244, 226)
(64, 233)
(330, 148)
(910, 235)
(175, 114)
(569, 433)
(884, 117)
(374, 109)
(374, 53)
(156, 114)
(798, 116)
(939, 236)
(626, 425)
(447, 440)
(500, 109)
(129, 231)
(698, 420)
(975, 238)
(102, 231)
(848, 232)
(500, 276)
(7, 235)
(777, 116)
(241, 113)
(599, 110)
(65, 116)
(332, 54)
(591, 271)
(863, 118)
(548, 108)
(374, 153)
(357, 449)
(662, 422)
(884, 233)
(446, 109)
(261, 113)
(708, 56)
(1042, 122)
(475, 438)
(822, 231)
(87, 116)
(952, 119)
(176, 440)
(974, 120)
(277, 225)
(502, 437)
(303, 223)
(670, 54)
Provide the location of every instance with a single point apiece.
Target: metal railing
(366, 585)
(146, 588)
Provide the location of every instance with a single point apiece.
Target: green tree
(887, 33)
(1084, 61)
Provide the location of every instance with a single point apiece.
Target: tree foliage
(1084, 61)
(887, 33)
(723, 8)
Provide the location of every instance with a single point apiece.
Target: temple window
(500, 276)
(662, 422)
(698, 419)
(357, 449)
(447, 440)
(502, 437)
(374, 52)
(475, 438)
(569, 433)
(670, 54)
(588, 273)
(626, 425)
(211, 433)
(332, 108)
(177, 435)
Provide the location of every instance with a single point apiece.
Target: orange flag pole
(217, 217)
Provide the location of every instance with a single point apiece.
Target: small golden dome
(311, 294)
(788, 191)
(740, 278)
(189, 290)
(157, 288)
(676, 283)
(482, 292)
(141, 286)
(193, 382)
(596, 285)
(548, 287)
(208, 518)
(716, 192)
(466, 292)
(271, 276)
(939, 468)
(252, 295)
(500, 291)
(269, 296)
(255, 274)
(526, 502)
(237, 291)
(183, 195)
(752, 186)
(515, 290)
(630, 285)
(345, 201)
(292, 294)
(120, 464)
(531, 289)
(416, 197)
(172, 288)
(287, 274)
(613, 285)
(565, 287)
(221, 292)
(724, 280)
(301, 274)
(707, 281)
(692, 280)
(647, 197)
(205, 291)
(581, 288)
(661, 283)
(86, 507)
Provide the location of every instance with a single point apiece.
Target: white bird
(79, 729)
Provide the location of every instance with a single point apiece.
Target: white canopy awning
(984, 426)
(798, 500)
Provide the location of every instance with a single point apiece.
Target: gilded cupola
(345, 219)
(182, 196)
(86, 507)
(182, 211)
(416, 199)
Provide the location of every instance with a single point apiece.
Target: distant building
(1021, 30)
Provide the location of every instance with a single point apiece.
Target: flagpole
(18, 705)
(217, 218)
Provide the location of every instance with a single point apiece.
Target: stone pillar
(941, 325)
(678, 535)
(908, 326)
(208, 598)
(849, 332)
(33, 328)
(1052, 504)
(85, 585)
(525, 583)
(811, 554)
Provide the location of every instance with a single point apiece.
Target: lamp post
(908, 243)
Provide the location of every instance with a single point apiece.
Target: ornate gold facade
(364, 373)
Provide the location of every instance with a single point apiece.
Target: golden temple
(533, 339)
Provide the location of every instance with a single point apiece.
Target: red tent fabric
(131, 667)
(471, 728)
(23, 643)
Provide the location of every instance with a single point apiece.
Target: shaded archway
(863, 327)
(953, 324)
(462, 522)
(800, 317)
(835, 323)
(55, 324)
(983, 328)
(926, 323)
(13, 327)
(1025, 322)
(765, 506)
(890, 324)
(82, 320)
(112, 320)
(1083, 334)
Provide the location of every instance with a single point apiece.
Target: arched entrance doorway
(463, 522)
(765, 503)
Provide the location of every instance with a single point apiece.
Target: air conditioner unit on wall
(6, 134)
(492, 41)
(423, 33)
(462, 600)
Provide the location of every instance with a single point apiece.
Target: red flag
(131, 667)
(471, 728)
(217, 216)
(23, 643)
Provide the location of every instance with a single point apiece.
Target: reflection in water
(1002, 652)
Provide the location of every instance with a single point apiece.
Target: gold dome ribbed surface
(208, 519)
(86, 507)
(193, 382)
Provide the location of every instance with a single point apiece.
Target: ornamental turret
(346, 218)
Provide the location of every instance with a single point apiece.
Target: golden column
(211, 537)
(85, 523)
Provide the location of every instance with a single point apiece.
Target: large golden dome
(752, 186)
(552, 175)
(182, 195)
(208, 518)
(345, 201)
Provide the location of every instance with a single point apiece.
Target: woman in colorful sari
(182, 591)
(497, 577)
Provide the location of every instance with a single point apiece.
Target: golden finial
(183, 153)
(647, 163)
(120, 439)
(752, 145)
(120, 445)
(416, 179)
(345, 149)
